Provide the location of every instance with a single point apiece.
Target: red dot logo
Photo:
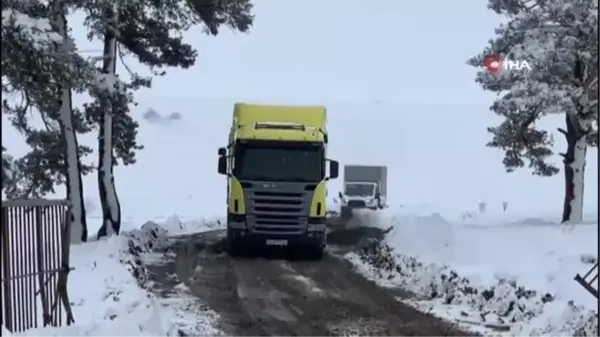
(493, 63)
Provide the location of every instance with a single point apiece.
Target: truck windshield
(359, 190)
(279, 162)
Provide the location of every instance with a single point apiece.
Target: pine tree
(152, 33)
(560, 41)
(40, 65)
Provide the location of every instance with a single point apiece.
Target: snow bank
(182, 314)
(108, 288)
(423, 255)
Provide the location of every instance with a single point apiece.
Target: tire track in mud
(360, 307)
(260, 291)
(260, 296)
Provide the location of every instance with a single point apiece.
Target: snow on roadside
(107, 288)
(507, 281)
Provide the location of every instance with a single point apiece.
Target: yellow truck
(277, 173)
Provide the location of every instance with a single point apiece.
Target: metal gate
(589, 279)
(34, 241)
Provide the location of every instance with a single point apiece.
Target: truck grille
(279, 212)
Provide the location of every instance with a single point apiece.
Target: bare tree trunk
(73, 164)
(574, 161)
(568, 160)
(578, 130)
(111, 208)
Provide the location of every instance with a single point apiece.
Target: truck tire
(316, 253)
(345, 213)
(235, 248)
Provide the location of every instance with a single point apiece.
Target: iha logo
(495, 63)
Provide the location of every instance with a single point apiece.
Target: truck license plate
(277, 242)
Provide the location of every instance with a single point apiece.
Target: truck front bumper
(314, 235)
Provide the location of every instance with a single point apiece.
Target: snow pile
(149, 238)
(152, 238)
(177, 225)
(108, 289)
(503, 302)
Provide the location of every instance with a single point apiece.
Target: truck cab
(365, 186)
(277, 173)
(362, 194)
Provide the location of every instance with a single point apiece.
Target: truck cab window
(271, 162)
(359, 190)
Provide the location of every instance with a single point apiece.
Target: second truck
(277, 171)
(365, 187)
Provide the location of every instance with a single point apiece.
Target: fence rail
(34, 237)
(587, 281)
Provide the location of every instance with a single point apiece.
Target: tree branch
(527, 123)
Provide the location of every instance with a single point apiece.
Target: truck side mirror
(222, 165)
(334, 169)
(222, 151)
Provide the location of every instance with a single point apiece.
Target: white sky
(399, 65)
(401, 50)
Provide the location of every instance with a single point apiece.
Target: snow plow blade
(587, 281)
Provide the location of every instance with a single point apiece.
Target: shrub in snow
(482, 207)
(152, 116)
(574, 321)
(506, 302)
(588, 259)
(174, 116)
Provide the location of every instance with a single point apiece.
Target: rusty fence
(34, 243)
(590, 280)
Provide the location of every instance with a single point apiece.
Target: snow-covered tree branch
(153, 33)
(560, 40)
(41, 68)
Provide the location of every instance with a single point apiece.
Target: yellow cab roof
(313, 118)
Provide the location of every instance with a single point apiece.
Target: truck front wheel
(316, 253)
(235, 246)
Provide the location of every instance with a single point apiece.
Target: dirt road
(269, 296)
